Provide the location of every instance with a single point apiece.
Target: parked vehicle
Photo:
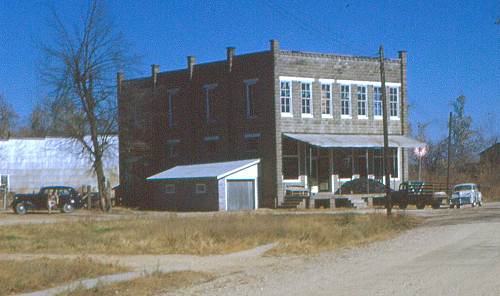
(66, 200)
(419, 194)
(467, 193)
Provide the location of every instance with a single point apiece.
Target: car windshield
(463, 187)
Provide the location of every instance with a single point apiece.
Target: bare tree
(8, 118)
(79, 69)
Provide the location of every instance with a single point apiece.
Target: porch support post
(367, 181)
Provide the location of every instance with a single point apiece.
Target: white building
(26, 164)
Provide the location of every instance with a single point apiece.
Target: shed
(220, 186)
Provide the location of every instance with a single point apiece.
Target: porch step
(350, 202)
(292, 202)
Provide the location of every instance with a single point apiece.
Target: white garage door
(240, 195)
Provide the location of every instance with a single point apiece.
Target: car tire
(67, 208)
(420, 206)
(452, 206)
(403, 206)
(458, 206)
(21, 209)
(480, 203)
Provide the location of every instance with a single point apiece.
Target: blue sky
(453, 46)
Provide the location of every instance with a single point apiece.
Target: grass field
(154, 284)
(202, 234)
(25, 276)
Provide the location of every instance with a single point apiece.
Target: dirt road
(455, 252)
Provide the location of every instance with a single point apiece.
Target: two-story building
(312, 119)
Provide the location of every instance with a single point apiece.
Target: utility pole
(388, 202)
(450, 122)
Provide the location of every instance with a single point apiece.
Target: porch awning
(355, 141)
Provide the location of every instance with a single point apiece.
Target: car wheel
(480, 203)
(458, 206)
(452, 206)
(403, 206)
(21, 209)
(420, 206)
(67, 208)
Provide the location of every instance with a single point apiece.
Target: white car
(464, 194)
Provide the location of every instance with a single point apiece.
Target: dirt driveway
(455, 252)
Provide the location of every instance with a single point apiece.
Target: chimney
(119, 79)
(155, 69)
(230, 55)
(190, 64)
(275, 45)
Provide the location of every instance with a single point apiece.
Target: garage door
(240, 195)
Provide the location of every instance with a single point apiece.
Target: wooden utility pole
(388, 202)
(450, 122)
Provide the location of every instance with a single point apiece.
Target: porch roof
(355, 141)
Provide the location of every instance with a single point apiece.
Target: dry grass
(202, 234)
(154, 284)
(25, 276)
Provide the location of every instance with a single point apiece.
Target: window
(210, 102)
(305, 95)
(200, 188)
(212, 145)
(286, 97)
(170, 107)
(377, 102)
(252, 142)
(169, 188)
(250, 86)
(345, 100)
(362, 102)
(394, 102)
(172, 149)
(290, 160)
(326, 100)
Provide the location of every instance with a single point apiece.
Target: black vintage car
(68, 199)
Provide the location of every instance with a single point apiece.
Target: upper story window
(326, 100)
(286, 98)
(250, 87)
(345, 101)
(212, 144)
(377, 102)
(306, 95)
(252, 142)
(362, 102)
(210, 102)
(172, 149)
(171, 93)
(394, 102)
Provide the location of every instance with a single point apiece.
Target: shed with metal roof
(220, 186)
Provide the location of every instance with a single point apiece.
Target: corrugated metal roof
(207, 170)
(356, 141)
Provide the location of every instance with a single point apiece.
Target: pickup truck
(68, 200)
(419, 194)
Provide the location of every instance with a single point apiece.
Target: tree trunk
(101, 184)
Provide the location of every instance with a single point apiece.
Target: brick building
(312, 119)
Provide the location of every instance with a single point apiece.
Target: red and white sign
(420, 151)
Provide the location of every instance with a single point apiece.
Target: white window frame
(329, 100)
(208, 88)
(200, 188)
(249, 83)
(290, 98)
(170, 105)
(170, 188)
(349, 100)
(306, 99)
(365, 100)
(396, 104)
(377, 102)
